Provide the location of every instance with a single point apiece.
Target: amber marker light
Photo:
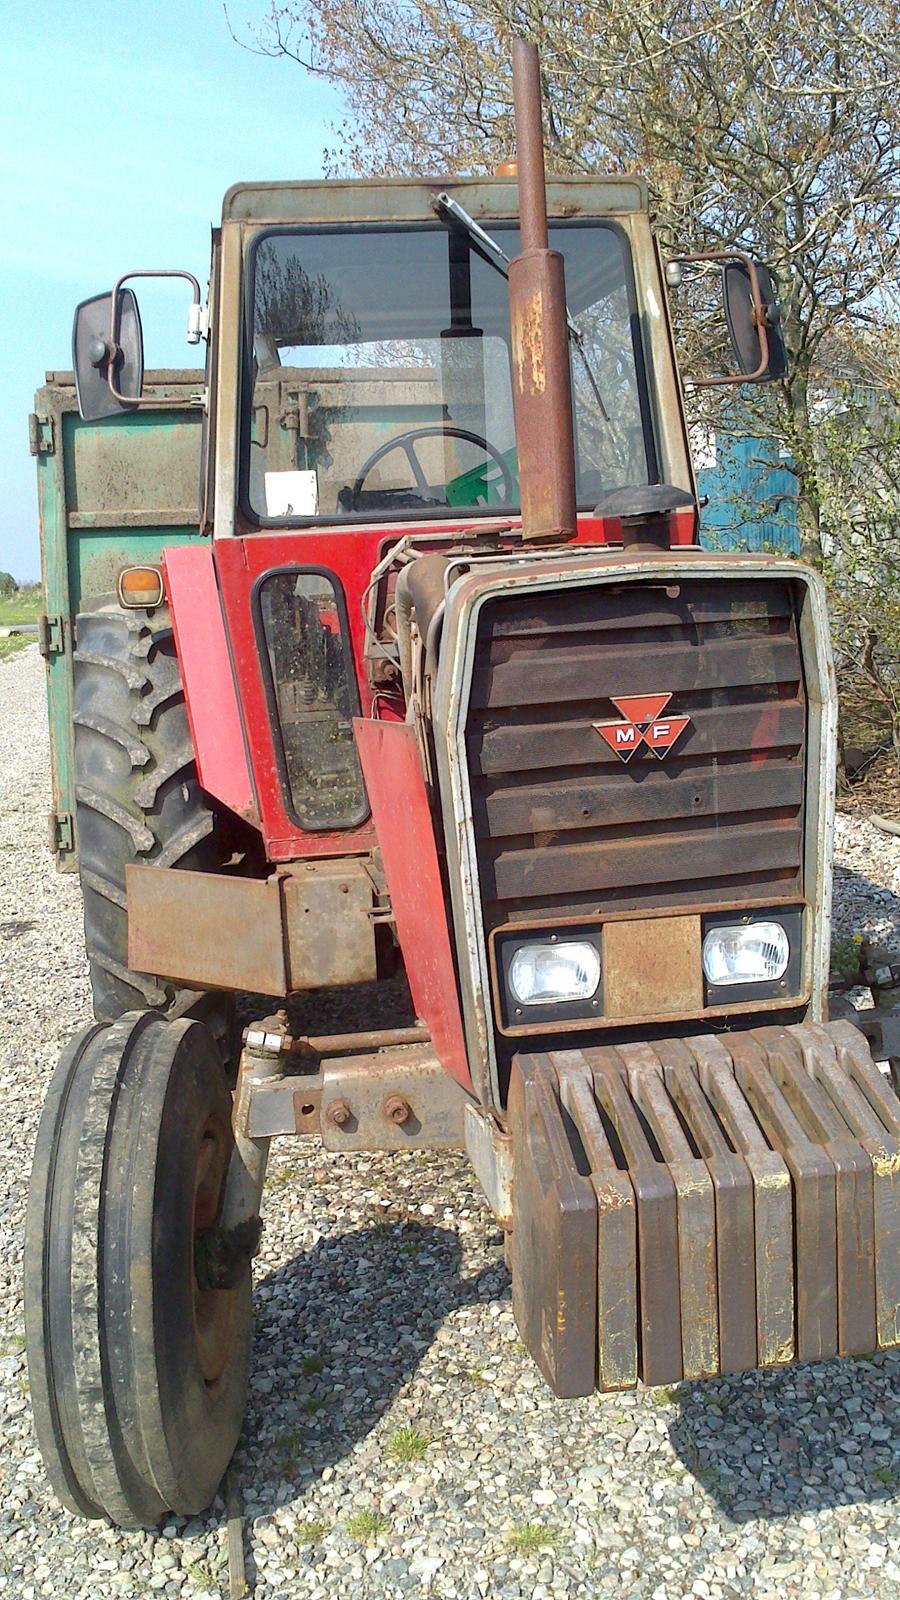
(141, 586)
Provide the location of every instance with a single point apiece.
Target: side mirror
(108, 347)
(108, 355)
(751, 315)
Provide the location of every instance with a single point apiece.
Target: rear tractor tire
(137, 796)
(138, 1369)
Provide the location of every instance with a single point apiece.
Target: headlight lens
(547, 974)
(752, 952)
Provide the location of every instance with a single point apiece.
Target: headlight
(751, 952)
(547, 974)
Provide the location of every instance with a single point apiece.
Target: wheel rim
(213, 1308)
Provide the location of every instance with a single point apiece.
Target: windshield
(379, 379)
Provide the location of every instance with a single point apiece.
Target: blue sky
(122, 123)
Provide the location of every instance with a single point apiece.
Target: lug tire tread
(138, 798)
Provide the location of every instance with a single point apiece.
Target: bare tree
(765, 123)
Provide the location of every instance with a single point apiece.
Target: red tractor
(442, 677)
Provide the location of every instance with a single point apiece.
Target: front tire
(138, 1374)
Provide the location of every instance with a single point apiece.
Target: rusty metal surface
(526, 79)
(399, 1099)
(409, 199)
(853, 1187)
(374, 1087)
(695, 1212)
(562, 824)
(484, 598)
(554, 1238)
(345, 1044)
(542, 395)
(652, 967)
(489, 1148)
(659, 1293)
(825, 1057)
(304, 928)
(617, 1267)
(743, 1203)
(286, 1105)
(329, 932)
(815, 1217)
(773, 1204)
(539, 335)
(206, 929)
(734, 1222)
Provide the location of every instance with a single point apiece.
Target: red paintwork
(393, 774)
(685, 525)
(350, 555)
(212, 704)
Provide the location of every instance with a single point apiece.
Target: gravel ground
(399, 1441)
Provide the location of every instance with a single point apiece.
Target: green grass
(311, 1364)
(15, 642)
(287, 1446)
(311, 1404)
(22, 607)
(311, 1532)
(201, 1574)
(705, 1473)
(845, 955)
(277, 1177)
(664, 1395)
(530, 1537)
(407, 1444)
(366, 1524)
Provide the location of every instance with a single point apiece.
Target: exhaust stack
(542, 392)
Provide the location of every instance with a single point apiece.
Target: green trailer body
(110, 493)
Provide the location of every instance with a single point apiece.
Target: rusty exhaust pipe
(542, 384)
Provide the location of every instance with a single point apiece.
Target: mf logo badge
(644, 724)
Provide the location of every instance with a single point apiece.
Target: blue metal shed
(752, 493)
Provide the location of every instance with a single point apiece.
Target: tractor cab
(379, 378)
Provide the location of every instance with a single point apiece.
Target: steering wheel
(406, 443)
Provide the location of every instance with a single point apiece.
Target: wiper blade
(445, 204)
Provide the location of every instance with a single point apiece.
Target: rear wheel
(138, 1370)
(137, 796)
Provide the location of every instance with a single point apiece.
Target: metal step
(700, 1206)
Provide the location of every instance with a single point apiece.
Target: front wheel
(138, 1372)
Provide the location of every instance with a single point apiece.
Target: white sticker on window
(292, 494)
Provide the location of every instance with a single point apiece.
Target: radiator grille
(562, 825)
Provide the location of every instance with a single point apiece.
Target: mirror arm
(759, 314)
(194, 326)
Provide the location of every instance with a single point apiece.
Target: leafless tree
(771, 124)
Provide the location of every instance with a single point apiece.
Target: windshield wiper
(444, 204)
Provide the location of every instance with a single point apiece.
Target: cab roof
(348, 200)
